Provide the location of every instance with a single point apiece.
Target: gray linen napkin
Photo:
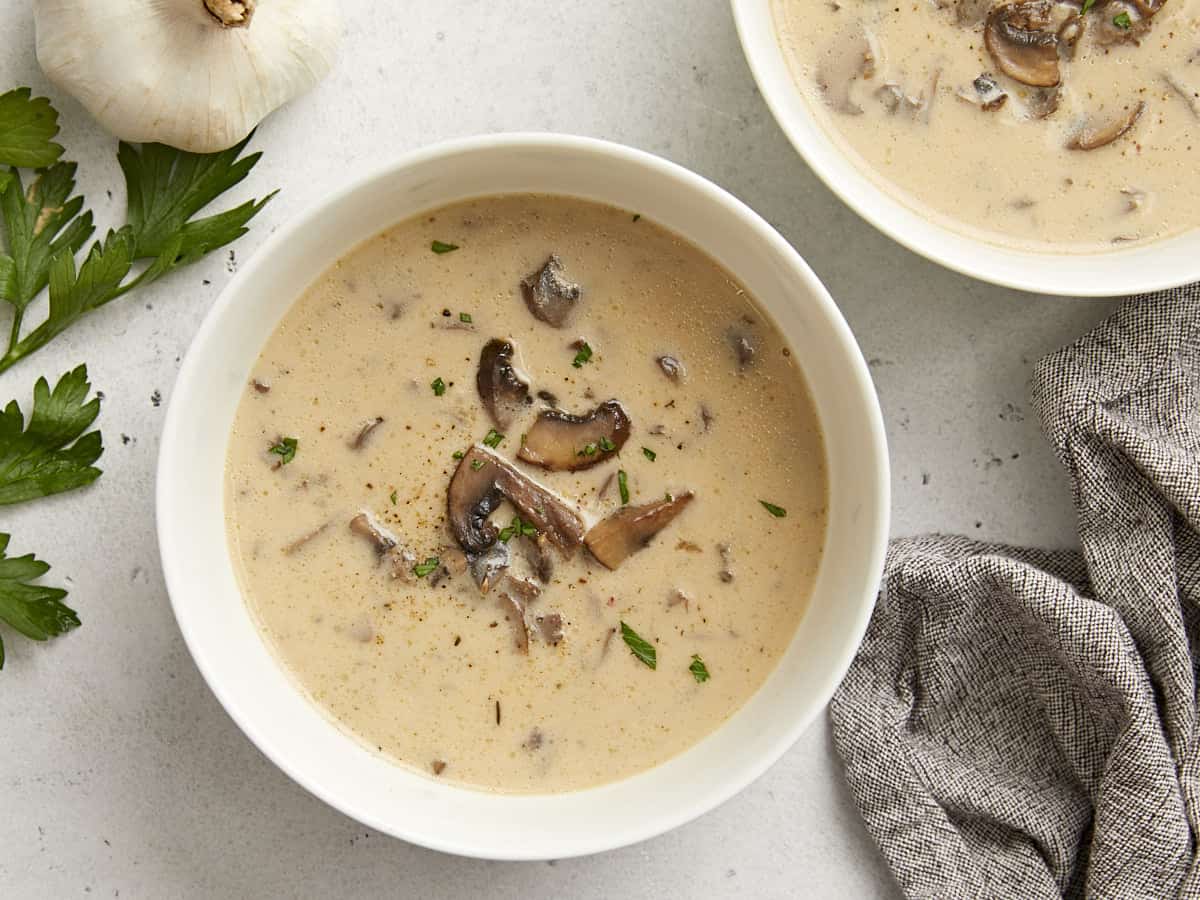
(1023, 723)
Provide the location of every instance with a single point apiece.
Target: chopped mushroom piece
(631, 528)
(677, 597)
(744, 346)
(560, 441)
(438, 767)
(1091, 137)
(514, 611)
(399, 558)
(672, 368)
(299, 542)
(986, 92)
(1135, 16)
(726, 571)
(522, 588)
(479, 483)
(537, 554)
(488, 566)
(1042, 102)
(550, 626)
(262, 387)
(364, 432)
(1134, 199)
(503, 391)
(549, 295)
(1018, 39)
(1188, 89)
(851, 56)
(969, 13)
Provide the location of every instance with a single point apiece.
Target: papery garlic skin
(169, 71)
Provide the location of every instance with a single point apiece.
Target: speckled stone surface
(119, 772)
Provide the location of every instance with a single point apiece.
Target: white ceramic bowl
(260, 695)
(1158, 265)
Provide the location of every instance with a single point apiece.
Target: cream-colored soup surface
(429, 670)
(897, 86)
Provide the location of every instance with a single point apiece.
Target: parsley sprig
(35, 610)
(46, 226)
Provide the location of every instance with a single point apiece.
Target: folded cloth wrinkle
(1021, 722)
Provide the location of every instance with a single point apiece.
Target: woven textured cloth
(1023, 723)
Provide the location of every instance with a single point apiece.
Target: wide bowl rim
(1118, 272)
(173, 542)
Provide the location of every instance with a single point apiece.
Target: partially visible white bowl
(1162, 264)
(270, 708)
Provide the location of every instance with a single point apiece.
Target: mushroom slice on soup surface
(501, 388)
(549, 294)
(1022, 42)
(631, 528)
(560, 441)
(481, 481)
(1091, 137)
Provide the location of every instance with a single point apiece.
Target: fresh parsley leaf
(41, 222)
(166, 187)
(606, 445)
(51, 453)
(423, 569)
(439, 386)
(777, 511)
(506, 534)
(640, 647)
(1087, 4)
(440, 247)
(465, 318)
(392, 497)
(698, 669)
(589, 449)
(623, 486)
(649, 454)
(285, 449)
(27, 124)
(35, 610)
(1122, 20)
(476, 465)
(493, 439)
(458, 454)
(584, 355)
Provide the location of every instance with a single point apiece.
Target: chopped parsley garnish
(589, 449)
(636, 216)
(392, 497)
(1087, 4)
(639, 646)
(517, 529)
(698, 669)
(441, 247)
(476, 464)
(623, 486)
(465, 318)
(439, 386)
(584, 355)
(458, 454)
(423, 569)
(649, 454)
(285, 449)
(606, 445)
(777, 511)
(493, 439)
(1122, 20)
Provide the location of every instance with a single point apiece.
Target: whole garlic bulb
(194, 74)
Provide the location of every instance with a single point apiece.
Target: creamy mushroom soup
(1033, 124)
(527, 493)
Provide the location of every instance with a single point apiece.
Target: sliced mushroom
(398, 558)
(1091, 137)
(1187, 86)
(296, 545)
(487, 567)
(985, 92)
(726, 570)
(969, 13)
(1042, 102)
(481, 481)
(537, 554)
(672, 368)
(261, 386)
(851, 56)
(503, 391)
(514, 611)
(522, 588)
(631, 528)
(364, 432)
(1135, 16)
(548, 398)
(1018, 39)
(551, 627)
(678, 597)
(1070, 33)
(550, 296)
(560, 441)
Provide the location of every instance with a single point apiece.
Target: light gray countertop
(119, 772)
